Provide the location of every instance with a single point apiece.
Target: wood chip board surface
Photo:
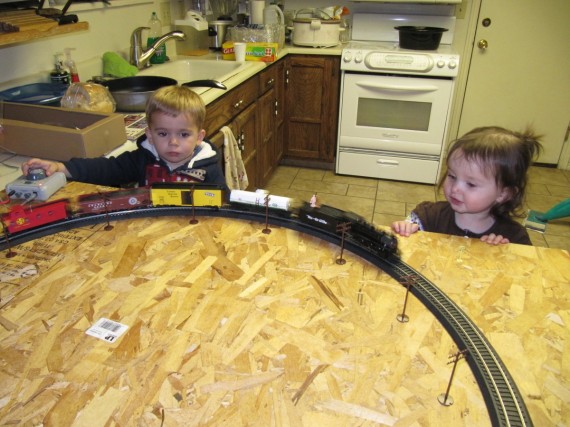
(231, 326)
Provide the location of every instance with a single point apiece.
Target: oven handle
(407, 88)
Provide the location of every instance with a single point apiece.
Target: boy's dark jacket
(131, 166)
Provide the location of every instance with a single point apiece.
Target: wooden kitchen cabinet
(244, 128)
(279, 110)
(269, 138)
(238, 111)
(312, 85)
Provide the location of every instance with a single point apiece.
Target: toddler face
(468, 188)
(174, 137)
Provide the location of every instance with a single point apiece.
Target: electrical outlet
(165, 16)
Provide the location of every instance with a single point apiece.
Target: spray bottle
(70, 64)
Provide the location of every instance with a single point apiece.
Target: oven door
(394, 113)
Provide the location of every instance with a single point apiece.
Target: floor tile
(367, 182)
(311, 174)
(319, 187)
(361, 191)
(405, 191)
(391, 207)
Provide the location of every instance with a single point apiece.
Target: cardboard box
(265, 52)
(60, 133)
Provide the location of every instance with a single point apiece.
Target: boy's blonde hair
(175, 100)
(501, 153)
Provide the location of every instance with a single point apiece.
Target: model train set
(23, 223)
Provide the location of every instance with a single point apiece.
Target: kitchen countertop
(10, 162)
(211, 95)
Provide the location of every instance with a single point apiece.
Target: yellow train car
(186, 194)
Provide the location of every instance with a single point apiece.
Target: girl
(484, 188)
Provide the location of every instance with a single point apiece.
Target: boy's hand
(494, 239)
(404, 228)
(47, 165)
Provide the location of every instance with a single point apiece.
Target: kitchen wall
(110, 28)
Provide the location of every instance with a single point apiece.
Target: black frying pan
(132, 93)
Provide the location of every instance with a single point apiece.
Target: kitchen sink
(188, 70)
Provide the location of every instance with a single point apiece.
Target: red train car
(110, 201)
(21, 218)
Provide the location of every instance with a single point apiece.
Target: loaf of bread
(88, 97)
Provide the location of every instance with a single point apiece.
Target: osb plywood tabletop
(231, 326)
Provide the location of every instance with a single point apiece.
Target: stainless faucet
(139, 57)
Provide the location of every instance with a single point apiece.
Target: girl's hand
(494, 239)
(404, 228)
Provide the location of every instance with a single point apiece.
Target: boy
(174, 149)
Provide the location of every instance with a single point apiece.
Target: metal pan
(132, 93)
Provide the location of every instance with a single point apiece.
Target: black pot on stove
(420, 38)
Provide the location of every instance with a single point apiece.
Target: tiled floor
(383, 201)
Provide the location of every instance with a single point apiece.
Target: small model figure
(314, 203)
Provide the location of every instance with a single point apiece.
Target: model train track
(503, 399)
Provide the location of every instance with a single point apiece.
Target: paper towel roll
(257, 7)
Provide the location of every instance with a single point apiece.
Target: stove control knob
(440, 63)
(347, 57)
(452, 64)
(358, 58)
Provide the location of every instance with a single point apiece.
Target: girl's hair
(175, 100)
(502, 153)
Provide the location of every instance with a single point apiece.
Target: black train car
(360, 231)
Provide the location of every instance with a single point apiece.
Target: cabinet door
(312, 107)
(245, 127)
(266, 154)
(279, 110)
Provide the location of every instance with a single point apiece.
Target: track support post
(342, 228)
(445, 399)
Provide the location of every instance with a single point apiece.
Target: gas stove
(388, 57)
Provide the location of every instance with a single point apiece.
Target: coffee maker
(223, 12)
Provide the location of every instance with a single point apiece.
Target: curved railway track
(503, 399)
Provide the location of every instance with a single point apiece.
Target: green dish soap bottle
(155, 32)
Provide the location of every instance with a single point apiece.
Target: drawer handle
(270, 82)
(238, 104)
(383, 162)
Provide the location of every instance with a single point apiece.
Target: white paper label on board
(107, 330)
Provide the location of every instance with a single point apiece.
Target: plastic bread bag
(88, 97)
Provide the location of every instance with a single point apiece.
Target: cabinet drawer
(223, 110)
(387, 167)
(267, 79)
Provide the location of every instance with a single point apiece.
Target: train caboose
(22, 218)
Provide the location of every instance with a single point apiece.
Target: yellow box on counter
(59, 133)
(265, 52)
